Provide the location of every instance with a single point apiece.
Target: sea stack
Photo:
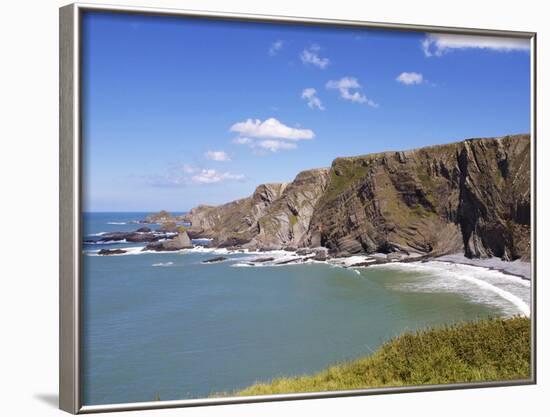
(181, 241)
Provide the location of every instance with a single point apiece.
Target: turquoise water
(164, 324)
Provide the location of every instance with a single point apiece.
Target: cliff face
(286, 221)
(471, 196)
(275, 216)
(234, 223)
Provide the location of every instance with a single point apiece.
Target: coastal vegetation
(494, 349)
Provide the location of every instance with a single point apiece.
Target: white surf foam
(163, 264)
(444, 276)
(242, 265)
(117, 223)
(280, 258)
(137, 250)
(202, 249)
(352, 260)
(97, 234)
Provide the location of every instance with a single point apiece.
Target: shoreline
(456, 267)
(517, 268)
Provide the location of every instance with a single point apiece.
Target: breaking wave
(105, 242)
(508, 292)
(163, 264)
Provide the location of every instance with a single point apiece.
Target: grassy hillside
(488, 350)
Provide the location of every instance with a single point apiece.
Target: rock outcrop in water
(106, 252)
(181, 241)
(471, 196)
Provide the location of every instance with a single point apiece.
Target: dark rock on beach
(262, 260)
(214, 260)
(370, 262)
(290, 261)
(320, 255)
(111, 252)
(143, 237)
(392, 257)
(235, 249)
(109, 237)
(137, 236)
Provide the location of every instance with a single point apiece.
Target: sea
(166, 326)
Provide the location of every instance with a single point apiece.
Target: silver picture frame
(70, 207)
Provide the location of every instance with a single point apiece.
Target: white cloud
(211, 176)
(311, 56)
(275, 47)
(435, 44)
(275, 145)
(241, 140)
(345, 85)
(186, 175)
(410, 78)
(260, 146)
(313, 101)
(219, 156)
(270, 128)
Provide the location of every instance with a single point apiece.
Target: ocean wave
(497, 288)
(163, 264)
(202, 249)
(97, 234)
(242, 265)
(117, 222)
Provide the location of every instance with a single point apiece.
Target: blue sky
(179, 112)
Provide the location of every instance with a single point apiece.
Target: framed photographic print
(258, 208)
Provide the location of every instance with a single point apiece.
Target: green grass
(487, 350)
(293, 219)
(349, 172)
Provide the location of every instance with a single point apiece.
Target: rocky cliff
(471, 196)
(275, 216)
(234, 223)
